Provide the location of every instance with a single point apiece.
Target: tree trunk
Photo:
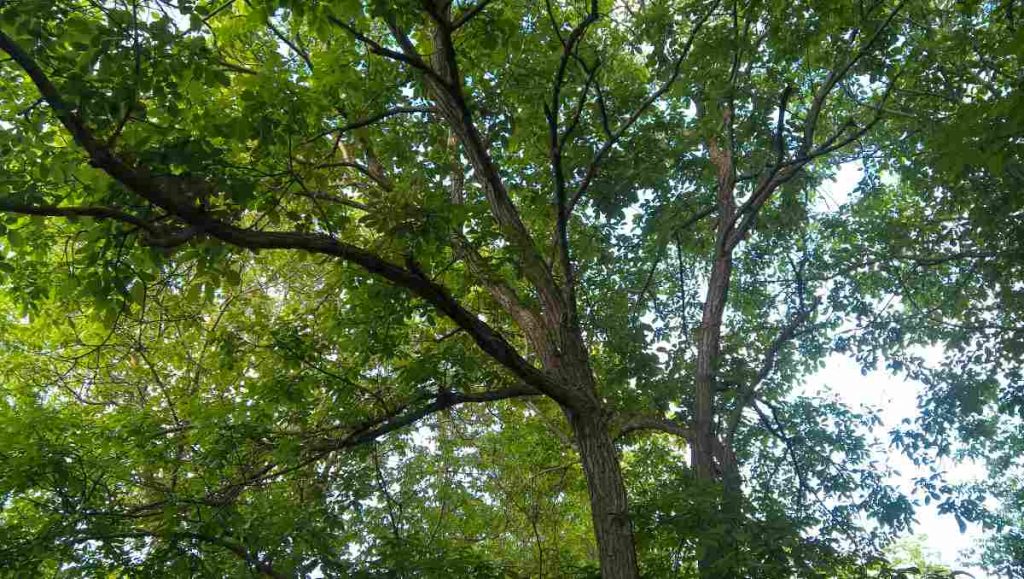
(718, 554)
(608, 505)
(718, 548)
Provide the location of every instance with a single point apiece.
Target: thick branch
(175, 195)
(666, 425)
(482, 271)
(780, 125)
(710, 332)
(444, 84)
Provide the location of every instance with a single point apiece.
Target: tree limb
(94, 211)
(592, 169)
(468, 14)
(176, 196)
(438, 402)
(365, 122)
(645, 422)
(444, 83)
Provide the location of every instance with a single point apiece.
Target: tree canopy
(502, 288)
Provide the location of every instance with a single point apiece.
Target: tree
(248, 237)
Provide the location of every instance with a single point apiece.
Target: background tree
(581, 246)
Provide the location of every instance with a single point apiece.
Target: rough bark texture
(709, 338)
(608, 505)
(714, 560)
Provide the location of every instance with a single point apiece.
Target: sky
(896, 398)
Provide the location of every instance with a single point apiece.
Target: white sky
(897, 399)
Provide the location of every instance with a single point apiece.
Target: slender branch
(467, 15)
(784, 170)
(374, 176)
(440, 401)
(290, 44)
(577, 113)
(261, 566)
(592, 169)
(778, 432)
(264, 567)
(322, 196)
(377, 48)
(365, 122)
(240, 69)
(558, 139)
(834, 142)
(749, 390)
(654, 266)
(837, 75)
(95, 211)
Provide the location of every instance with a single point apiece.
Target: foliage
(429, 289)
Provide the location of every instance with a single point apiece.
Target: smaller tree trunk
(608, 504)
(719, 552)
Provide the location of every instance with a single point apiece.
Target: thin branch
(377, 178)
(558, 139)
(440, 401)
(467, 15)
(95, 211)
(321, 196)
(837, 75)
(261, 566)
(290, 44)
(777, 431)
(654, 266)
(371, 120)
(647, 102)
(377, 48)
(749, 390)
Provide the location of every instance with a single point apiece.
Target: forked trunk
(608, 504)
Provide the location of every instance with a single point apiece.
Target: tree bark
(709, 338)
(715, 561)
(608, 505)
